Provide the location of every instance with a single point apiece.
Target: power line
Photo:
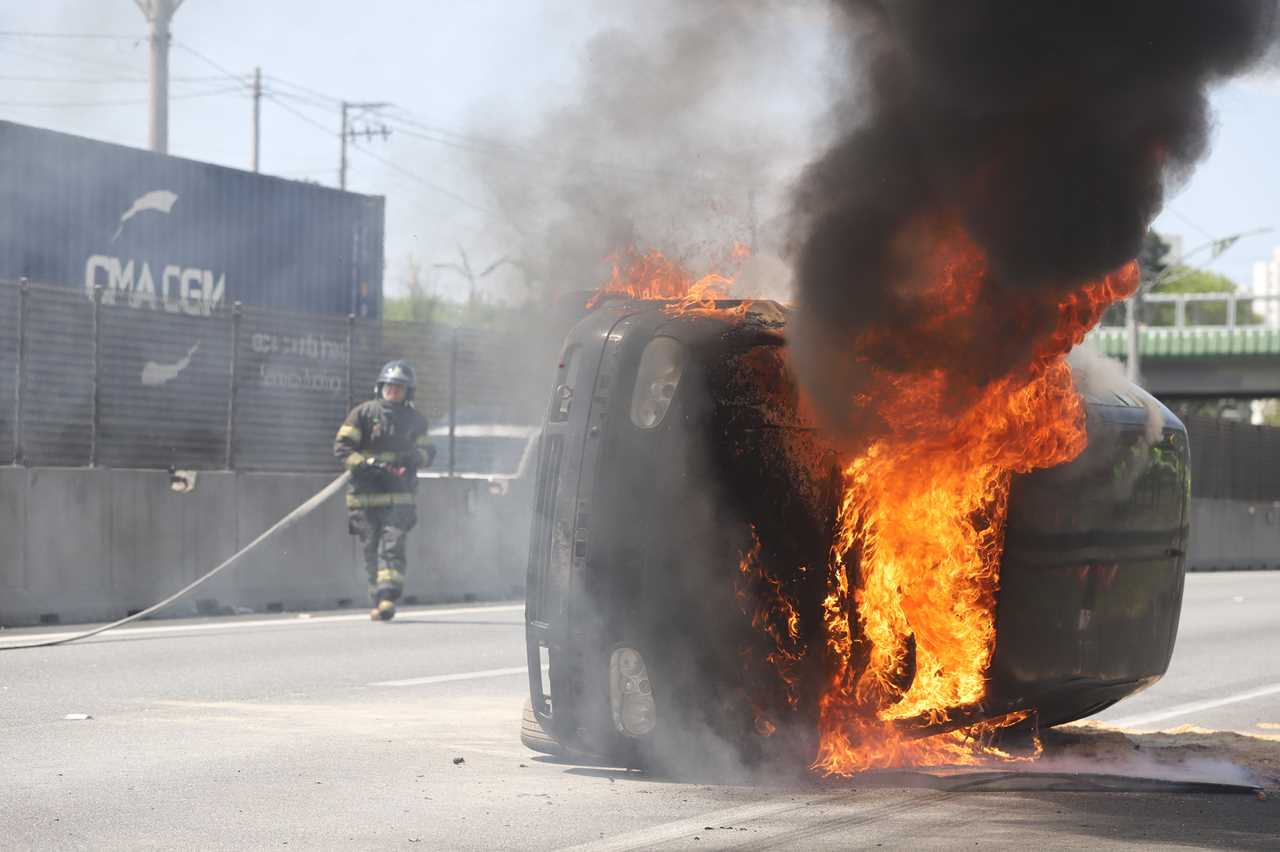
(1188, 221)
(274, 98)
(103, 81)
(306, 99)
(271, 96)
(450, 138)
(46, 54)
(420, 179)
(32, 34)
(496, 149)
(239, 78)
(309, 91)
(528, 156)
(438, 135)
(114, 102)
(463, 137)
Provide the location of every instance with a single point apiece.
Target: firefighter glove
(372, 471)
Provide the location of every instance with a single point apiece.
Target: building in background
(1266, 282)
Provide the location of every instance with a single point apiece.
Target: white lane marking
(284, 621)
(422, 681)
(1191, 707)
(647, 838)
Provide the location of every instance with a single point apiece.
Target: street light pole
(159, 13)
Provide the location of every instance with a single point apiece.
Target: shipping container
(166, 234)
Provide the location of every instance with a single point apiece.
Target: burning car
(684, 516)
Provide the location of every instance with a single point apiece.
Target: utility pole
(342, 149)
(159, 13)
(346, 131)
(1133, 358)
(257, 114)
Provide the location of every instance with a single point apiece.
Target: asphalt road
(328, 731)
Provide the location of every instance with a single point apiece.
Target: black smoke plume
(1047, 132)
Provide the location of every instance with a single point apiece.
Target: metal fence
(1199, 310)
(1231, 460)
(88, 380)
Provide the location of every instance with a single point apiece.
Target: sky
(448, 69)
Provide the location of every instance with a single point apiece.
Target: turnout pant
(382, 531)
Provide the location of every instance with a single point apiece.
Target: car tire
(534, 737)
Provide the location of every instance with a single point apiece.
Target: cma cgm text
(176, 289)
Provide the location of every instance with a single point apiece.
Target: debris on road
(77, 717)
(458, 761)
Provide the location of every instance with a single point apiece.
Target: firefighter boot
(384, 611)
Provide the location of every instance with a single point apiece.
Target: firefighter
(382, 443)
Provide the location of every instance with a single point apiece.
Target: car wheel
(534, 737)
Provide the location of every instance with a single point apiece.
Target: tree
(417, 305)
(421, 303)
(1186, 279)
(1159, 275)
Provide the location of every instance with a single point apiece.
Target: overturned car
(674, 444)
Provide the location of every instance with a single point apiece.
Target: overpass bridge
(1203, 344)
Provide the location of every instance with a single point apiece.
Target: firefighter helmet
(397, 373)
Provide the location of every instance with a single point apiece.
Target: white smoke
(1097, 375)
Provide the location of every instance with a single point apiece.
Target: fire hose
(287, 521)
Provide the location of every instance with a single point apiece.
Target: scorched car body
(673, 443)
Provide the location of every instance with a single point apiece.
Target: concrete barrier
(94, 544)
(13, 532)
(1234, 535)
(90, 544)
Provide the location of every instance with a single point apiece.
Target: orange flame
(910, 625)
(925, 511)
(652, 275)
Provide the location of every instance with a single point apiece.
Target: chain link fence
(89, 382)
